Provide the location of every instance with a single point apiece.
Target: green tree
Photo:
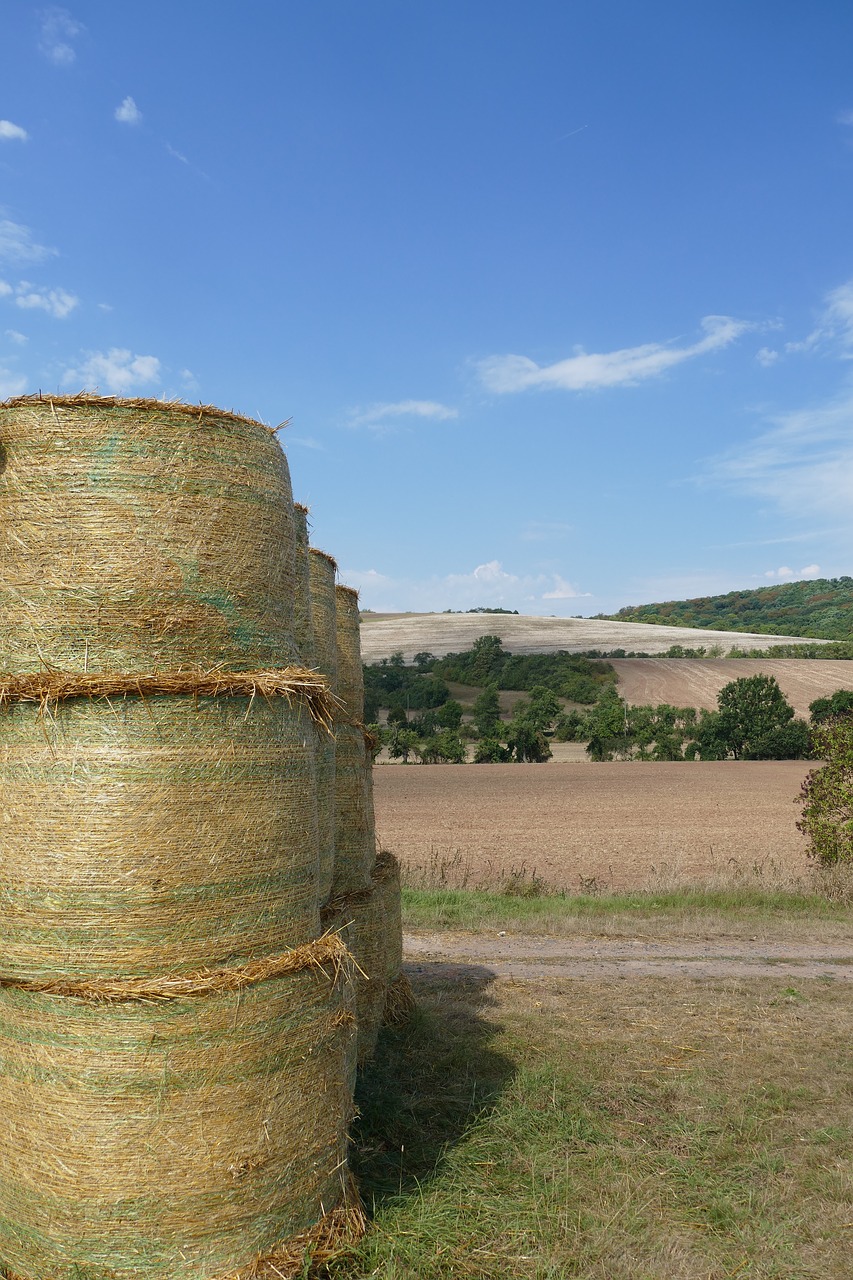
(401, 744)
(487, 712)
(397, 716)
(490, 751)
(488, 657)
(442, 748)
(750, 709)
(423, 661)
(527, 743)
(450, 715)
(836, 704)
(827, 794)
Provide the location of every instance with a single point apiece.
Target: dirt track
(522, 957)
(441, 633)
(690, 682)
(623, 825)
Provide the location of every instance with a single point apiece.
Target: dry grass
(639, 1130)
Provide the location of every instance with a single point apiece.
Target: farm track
(525, 958)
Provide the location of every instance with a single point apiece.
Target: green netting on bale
(143, 835)
(303, 634)
(355, 841)
(138, 534)
(360, 920)
(350, 682)
(176, 1141)
(321, 571)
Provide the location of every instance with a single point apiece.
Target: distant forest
(821, 608)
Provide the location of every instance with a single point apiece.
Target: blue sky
(557, 298)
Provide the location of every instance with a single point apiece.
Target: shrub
(827, 794)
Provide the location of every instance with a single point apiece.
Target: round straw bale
(321, 570)
(137, 534)
(399, 999)
(142, 835)
(350, 686)
(172, 1141)
(302, 630)
(360, 921)
(355, 841)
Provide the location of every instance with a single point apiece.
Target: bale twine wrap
(155, 824)
(355, 829)
(140, 534)
(321, 570)
(360, 921)
(177, 1130)
(399, 998)
(302, 630)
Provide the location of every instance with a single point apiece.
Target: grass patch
(651, 1130)
(558, 913)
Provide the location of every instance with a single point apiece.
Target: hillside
(688, 682)
(383, 634)
(821, 608)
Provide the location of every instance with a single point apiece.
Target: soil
(692, 682)
(621, 825)
(383, 634)
(522, 957)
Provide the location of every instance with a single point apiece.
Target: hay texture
(359, 919)
(180, 1141)
(143, 835)
(399, 998)
(137, 535)
(321, 582)
(355, 827)
(303, 634)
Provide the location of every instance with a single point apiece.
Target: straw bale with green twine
(399, 998)
(303, 634)
(359, 918)
(140, 534)
(200, 1136)
(144, 830)
(355, 828)
(321, 581)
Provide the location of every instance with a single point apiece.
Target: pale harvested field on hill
(409, 633)
(692, 682)
(627, 825)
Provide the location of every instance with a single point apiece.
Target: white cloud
(12, 132)
(11, 384)
(116, 371)
(177, 155)
(377, 414)
(563, 591)
(627, 367)
(57, 29)
(17, 244)
(834, 329)
(20, 339)
(783, 573)
(487, 585)
(803, 462)
(306, 442)
(56, 302)
(766, 357)
(5, 289)
(127, 112)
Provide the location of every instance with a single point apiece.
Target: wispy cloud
(306, 442)
(803, 462)
(127, 112)
(57, 30)
(19, 339)
(6, 289)
(379, 415)
(784, 574)
(589, 371)
(487, 585)
(18, 246)
(834, 329)
(12, 132)
(766, 357)
(177, 155)
(545, 530)
(117, 370)
(56, 302)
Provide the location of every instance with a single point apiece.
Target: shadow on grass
(429, 1082)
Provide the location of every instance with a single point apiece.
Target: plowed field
(689, 682)
(625, 825)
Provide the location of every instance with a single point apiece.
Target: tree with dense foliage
(750, 709)
(827, 794)
(401, 744)
(838, 703)
(449, 716)
(491, 751)
(442, 748)
(527, 743)
(487, 712)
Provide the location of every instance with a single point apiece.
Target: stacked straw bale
(322, 570)
(355, 833)
(399, 1000)
(303, 632)
(177, 1039)
(138, 535)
